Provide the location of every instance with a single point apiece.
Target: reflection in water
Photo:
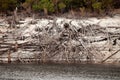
(58, 72)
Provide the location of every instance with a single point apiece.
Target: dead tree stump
(9, 57)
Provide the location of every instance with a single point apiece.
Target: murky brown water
(58, 72)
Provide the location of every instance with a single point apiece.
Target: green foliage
(107, 4)
(56, 5)
(61, 5)
(44, 4)
(68, 3)
(7, 4)
(97, 5)
(93, 5)
(36, 7)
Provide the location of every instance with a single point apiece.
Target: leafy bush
(7, 5)
(45, 5)
(61, 5)
(97, 5)
(56, 5)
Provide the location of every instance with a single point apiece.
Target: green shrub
(97, 5)
(44, 4)
(7, 5)
(61, 5)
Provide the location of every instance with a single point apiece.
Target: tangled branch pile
(71, 44)
(67, 40)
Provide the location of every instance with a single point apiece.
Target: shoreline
(59, 63)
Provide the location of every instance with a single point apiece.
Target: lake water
(59, 72)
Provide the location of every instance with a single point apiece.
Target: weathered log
(110, 56)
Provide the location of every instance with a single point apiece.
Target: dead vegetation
(68, 44)
(74, 45)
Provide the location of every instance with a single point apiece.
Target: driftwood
(67, 43)
(110, 56)
(61, 45)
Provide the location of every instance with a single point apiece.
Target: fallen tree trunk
(110, 56)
